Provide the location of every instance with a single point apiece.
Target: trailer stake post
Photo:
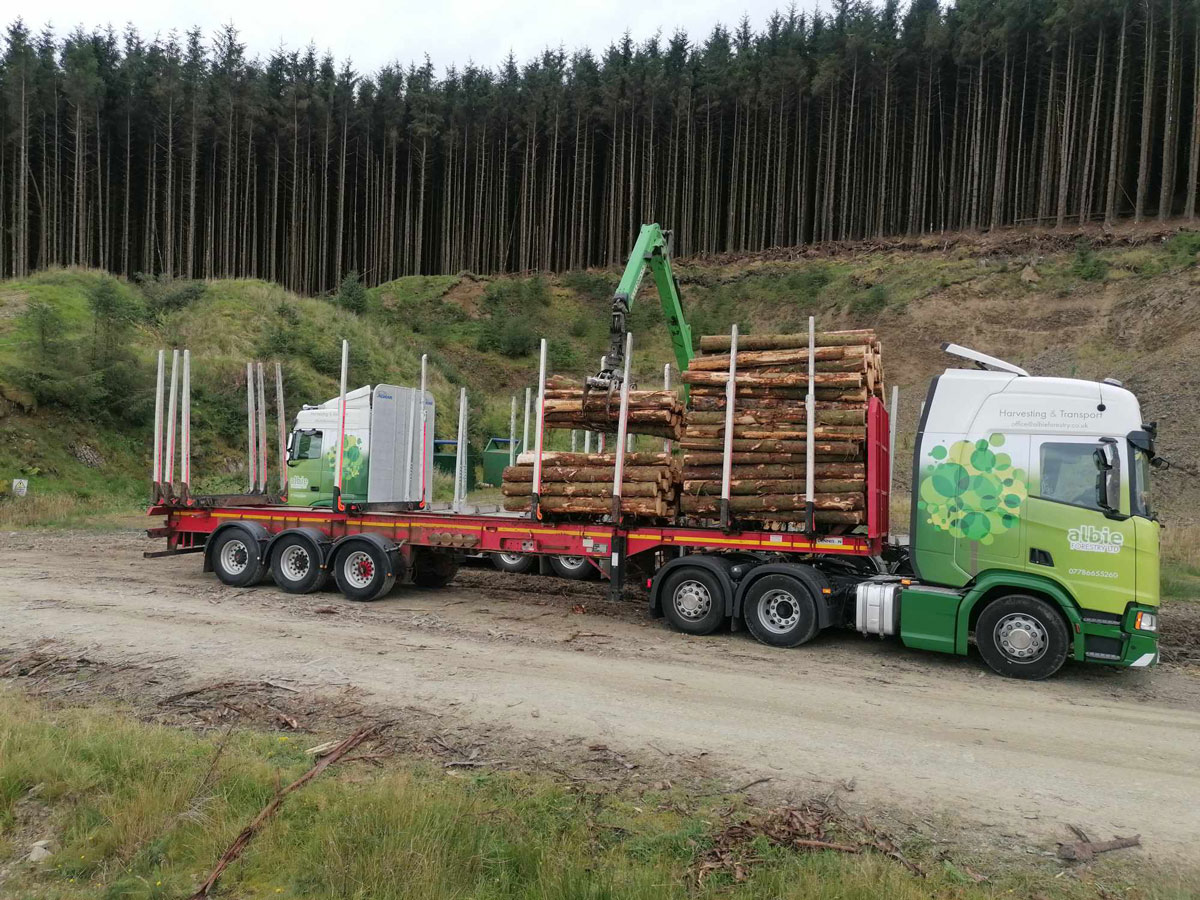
(727, 456)
(412, 442)
(156, 491)
(251, 437)
(667, 387)
(525, 423)
(512, 432)
(262, 432)
(622, 432)
(460, 453)
(426, 491)
(892, 419)
(810, 414)
(338, 503)
(283, 476)
(185, 431)
(169, 470)
(535, 508)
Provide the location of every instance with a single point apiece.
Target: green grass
(1180, 582)
(144, 811)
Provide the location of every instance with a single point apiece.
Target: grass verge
(143, 811)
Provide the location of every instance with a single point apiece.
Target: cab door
(1070, 535)
(305, 471)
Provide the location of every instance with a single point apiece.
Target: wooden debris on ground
(581, 484)
(1085, 848)
(658, 413)
(770, 427)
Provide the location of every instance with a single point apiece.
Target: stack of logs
(657, 413)
(770, 427)
(582, 484)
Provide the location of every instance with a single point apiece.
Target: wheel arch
(809, 576)
(257, 533)
(319, 542)
(719, 567)
(389, 548)
(991, 586)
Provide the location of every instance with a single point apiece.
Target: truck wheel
(361, 571)
(295, 565)
(693, 600)
(235, 559)
(434, 569)
(779, 611)
(513, 562)
(577, 568)
(1022, 637)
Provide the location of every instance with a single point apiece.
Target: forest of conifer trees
(183, 156)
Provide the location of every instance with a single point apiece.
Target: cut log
(843, 448)
(719, 343)
(591, 506)
(711, 458)
(785, 432)
(689, 503)
(792, 356)
(772, 417)
(788, 398)
(773, 486)
(563, 458)
(588, 473)
(843, 470)
(583, 489)
(792, 379)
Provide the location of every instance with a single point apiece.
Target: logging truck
(1031, 534)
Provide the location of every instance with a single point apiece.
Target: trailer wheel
(693, 600)
(1020, 636)
(295, 565)
(779, 611)
(235, 558)
(363, 571)
(518, 563)
(433, 569)
(577, 568)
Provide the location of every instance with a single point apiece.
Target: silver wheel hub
(1022, 638)
(692, 600)
(778, 611)
(295, 562)
(235, 556)
(359, 569)
(571, 562)
(511, 558)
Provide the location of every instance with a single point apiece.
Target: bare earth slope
(536, 662)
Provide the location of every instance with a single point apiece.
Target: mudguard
(319, 544)
(257, 533)
(813, 579)
(391, 549)
(715, 564)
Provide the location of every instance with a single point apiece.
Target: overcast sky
(375, 32)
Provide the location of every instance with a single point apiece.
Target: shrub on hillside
(352, 295)
(1086, 264)
(164, 294)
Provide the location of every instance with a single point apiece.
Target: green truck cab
(1032, 525)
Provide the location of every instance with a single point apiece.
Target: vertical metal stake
(262, 432)
(810, 416)
(727, 455)
(535, 511)
(169, 472)
(157, 466)
(426, 488)
(185, 429)
(622, 433)
(251, 437)
(512, 432)
(338, 503)
(282, 420)
(667, 387)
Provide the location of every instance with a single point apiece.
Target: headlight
(1146, 621)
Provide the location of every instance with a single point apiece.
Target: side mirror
(1108, 476)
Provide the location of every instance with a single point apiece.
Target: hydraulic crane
(652, 251)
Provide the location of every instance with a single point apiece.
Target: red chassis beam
(189, 528)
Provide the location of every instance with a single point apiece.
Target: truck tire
(296, 565)
(577, 568)
(693, 600)
(1020, 636)
(434, 569)
(513, 562)
(235, 558)
(780, 611)
(363, 571)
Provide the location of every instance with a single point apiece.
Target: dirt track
(537, 659)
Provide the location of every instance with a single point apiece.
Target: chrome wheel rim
(511, 559)
(1022, 638)
(359, 569)
(778, 611)
(235, 557)
(692, 600)
(572, 562)
(295, 562)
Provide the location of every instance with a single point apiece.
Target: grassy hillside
(77, 347)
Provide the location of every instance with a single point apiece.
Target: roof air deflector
(983, 360)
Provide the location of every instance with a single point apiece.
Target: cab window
(1068, 474)
(307, 445)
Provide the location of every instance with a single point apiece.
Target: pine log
(711, 458)
(822, 517)
(639, 400)
(773, 486)
(793, 433)
(853, 471)
(591, 506)
(790, 379)
(582, 489)
(689, 503)
(794, 356)
(719, 343)
(842, 448)
(785, 397)
(775, 416)
(563, 458)
(603, 474)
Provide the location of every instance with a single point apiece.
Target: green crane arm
(652, 251)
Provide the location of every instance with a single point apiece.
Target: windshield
(1139, 487)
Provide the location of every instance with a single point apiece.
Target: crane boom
(651, 251)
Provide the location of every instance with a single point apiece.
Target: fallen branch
(244, 837)
(1085, 850)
